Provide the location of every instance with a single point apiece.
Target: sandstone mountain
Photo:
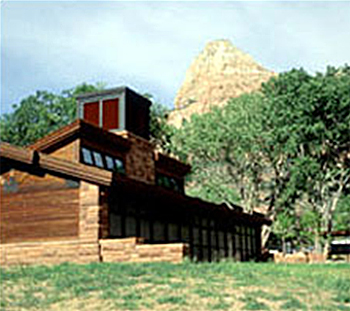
(218, 73)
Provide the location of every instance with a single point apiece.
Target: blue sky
(149, 45)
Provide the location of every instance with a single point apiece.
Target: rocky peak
(221, 71)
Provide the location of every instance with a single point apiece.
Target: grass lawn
(187, 286)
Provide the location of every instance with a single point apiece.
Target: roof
(110, 92)
(170, 165)
(29, 160)
(83, 129)
(78, 129)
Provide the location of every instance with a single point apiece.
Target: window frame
(102, 155)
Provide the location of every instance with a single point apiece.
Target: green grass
(165, 286)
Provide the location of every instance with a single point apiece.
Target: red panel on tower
(111, 114)
(92, 113)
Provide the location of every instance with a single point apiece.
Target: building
(96, 190)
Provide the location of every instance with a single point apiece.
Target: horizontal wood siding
(42, 214)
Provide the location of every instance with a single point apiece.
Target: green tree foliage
(224, 149)
(160, 131)
(287, 149)
(308, 118)
(40, 114)
(284, 228)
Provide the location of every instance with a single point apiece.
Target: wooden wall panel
(111, 114)
(92, 113)
(68, 152)
(49, 211)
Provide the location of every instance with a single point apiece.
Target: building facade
(96, 190)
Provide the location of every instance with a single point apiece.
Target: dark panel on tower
(137, 113)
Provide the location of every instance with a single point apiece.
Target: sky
(148, 46)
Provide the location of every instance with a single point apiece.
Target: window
(169, 182)
(119, 166)
(87, 158)
(108, 162)
(98, 159)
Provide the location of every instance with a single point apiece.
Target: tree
(287, 149)
(160, 131)
(41, 113)
(308, 120)
(223, 148)
(284, 228)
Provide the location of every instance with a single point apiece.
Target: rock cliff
(218, 73)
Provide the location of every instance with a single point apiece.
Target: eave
(17, 157)
(79, 129)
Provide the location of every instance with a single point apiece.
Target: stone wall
(140, 158)
(89, 211)
(53, 252)
(299, 258)
(132, 250)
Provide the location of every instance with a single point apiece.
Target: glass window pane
(196, 235)
(238, 255)
(119, 165)
(221, 239)
(130, 226)
(185, 233)
(237, 241)
(214, 254)
(158, 231)
(205, 253)
(167, 182)
(254, 241)
(205, 236)
(109, 162)
(222, 254)
(213, 238)
(87, 158)
(230, 244)
(196, 253)
(173, 232)
(98, 159)
(115, 225)
(145, 229)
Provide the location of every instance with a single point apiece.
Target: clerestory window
(101, 160)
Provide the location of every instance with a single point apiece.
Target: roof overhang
(79, 129)
(28, 160)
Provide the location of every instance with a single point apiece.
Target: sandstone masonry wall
(132, 250)
(140, 158)
(299, 258)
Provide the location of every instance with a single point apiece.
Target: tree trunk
(265, 233)
(284, 249)
(317, 243)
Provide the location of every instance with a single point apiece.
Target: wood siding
(37, 208)
(110, 114)
(92, 113)
(68, 152)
